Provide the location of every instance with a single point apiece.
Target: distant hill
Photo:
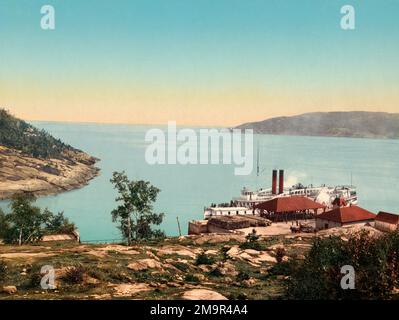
(356, 124)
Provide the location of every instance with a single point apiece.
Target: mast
(351, 180)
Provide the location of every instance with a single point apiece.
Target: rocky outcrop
(23, 173)
(127, 289)
(203, 294)
(145, 264)
(253, 257)
(9, 289)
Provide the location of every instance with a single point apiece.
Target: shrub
(252, 237)
(283, 268)
(215, 273)
(251, 245)
(3, 270)
(243, 276)
(180, 265)
(223, 251)
(238, 296)
(252, 242)
(203, 258)
(375, 260)
(280, 253)
(74, 274)
(191, 278)
(34, 277)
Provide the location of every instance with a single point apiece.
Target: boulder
(276, 246)
(265, 257)
(252, 252)
(211, 252)
(178, 250)
(206, 267)
(249, 282)
(233, 252)
(202, 294)
(145, 264)
(125, 290)
(246, 256)
(9, 289)
(200, 276)
(228, 269)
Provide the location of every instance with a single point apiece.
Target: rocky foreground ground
(170, 269)
(19, 172)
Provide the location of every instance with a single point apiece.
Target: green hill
(356, 124)
(18, 134)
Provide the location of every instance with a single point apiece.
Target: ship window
(237, 211)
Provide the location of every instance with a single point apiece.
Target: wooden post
(178, 225)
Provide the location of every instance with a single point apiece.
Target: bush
(283, 268)
(252, 242)
(251, 245)
(375, 261)
(252, 237)
(223, 251)
(238, 296)
(280, 253)
(203, 258)
(243, 276)
(180, 265)
(3, 270)
(34, 277)
(74, 274)
(191, 278)
(215, 273)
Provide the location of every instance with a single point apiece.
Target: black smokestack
(281, 182)
(274, 182)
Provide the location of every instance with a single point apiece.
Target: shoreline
(44, 177)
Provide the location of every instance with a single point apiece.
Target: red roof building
(386, 221)
(341, 216)
(288, 207)
(289, 204)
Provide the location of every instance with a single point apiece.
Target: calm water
(187, 189)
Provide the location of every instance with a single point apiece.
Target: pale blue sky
(168, 55)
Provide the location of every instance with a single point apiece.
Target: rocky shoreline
(193, 267)
(42, 177)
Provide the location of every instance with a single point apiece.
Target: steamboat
(322, 194)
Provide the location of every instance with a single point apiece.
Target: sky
(196, 62)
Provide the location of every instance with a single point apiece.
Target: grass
(111, 268)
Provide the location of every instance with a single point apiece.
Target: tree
(27, 223)
(59, 224)
(25, 219)
(135, 211)
(4, 224)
